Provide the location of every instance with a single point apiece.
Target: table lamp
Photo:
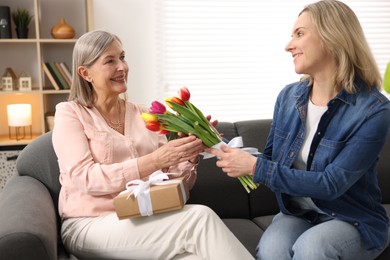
(19, 117)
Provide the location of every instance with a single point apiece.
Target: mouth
(121, 79)
(296, 55)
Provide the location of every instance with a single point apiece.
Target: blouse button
(334, 214)
(356, 224)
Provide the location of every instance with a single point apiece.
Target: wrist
(194, 160)
(253, 168)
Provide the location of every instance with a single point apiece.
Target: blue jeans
(290, 237)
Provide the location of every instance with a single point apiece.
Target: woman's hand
(178, 150)
(234, 162)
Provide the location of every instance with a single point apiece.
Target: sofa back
(384, 171)
(224, 194)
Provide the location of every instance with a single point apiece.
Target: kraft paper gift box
(165, 196)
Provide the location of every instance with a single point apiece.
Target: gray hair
(88, 48)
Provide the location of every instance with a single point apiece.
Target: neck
(111, 111)
(323, 92)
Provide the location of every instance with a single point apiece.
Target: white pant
(194, 232)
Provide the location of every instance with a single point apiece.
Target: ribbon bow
(141, 190)
(236, 142)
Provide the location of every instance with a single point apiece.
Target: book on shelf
(58, 74)
(67, 71)
(49, 75)
(63, 83)
(64, 74)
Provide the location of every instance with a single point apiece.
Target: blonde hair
(88, 48)
(342, 35)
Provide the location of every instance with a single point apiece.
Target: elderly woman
(102, 143)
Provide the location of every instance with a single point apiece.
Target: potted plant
(22, 19)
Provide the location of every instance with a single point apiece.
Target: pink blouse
(96, 161)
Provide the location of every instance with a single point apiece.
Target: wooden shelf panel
(5, 141)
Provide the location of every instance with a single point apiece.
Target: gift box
(164, 196)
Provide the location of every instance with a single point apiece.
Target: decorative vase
(62, 30)
(21, 33)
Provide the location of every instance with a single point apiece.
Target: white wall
(132, 22)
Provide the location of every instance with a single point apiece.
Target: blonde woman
(322, 150)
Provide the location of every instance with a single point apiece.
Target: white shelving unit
(28, 54)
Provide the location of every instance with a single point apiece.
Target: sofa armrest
(27, 221)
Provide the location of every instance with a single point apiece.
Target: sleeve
(356, 157)
(76, 160)
(187, 170)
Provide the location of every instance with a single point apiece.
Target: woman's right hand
(174, 152)
(178, 150)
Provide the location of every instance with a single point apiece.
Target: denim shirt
(341, 176)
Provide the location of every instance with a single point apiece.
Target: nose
(123, 66)
(289, 47)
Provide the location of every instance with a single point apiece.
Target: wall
(132, 21)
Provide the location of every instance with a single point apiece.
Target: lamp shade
(19, 114)
(386, 79)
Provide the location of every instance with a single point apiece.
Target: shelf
(18, 40)
(5, 141)
(28, 55)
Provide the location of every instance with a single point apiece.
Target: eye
(299, 34)
(122, 58)
(108, 61)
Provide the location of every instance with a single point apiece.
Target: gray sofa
(29, 222)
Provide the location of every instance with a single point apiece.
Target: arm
(345, 162)
(98, 162)
(27, 220)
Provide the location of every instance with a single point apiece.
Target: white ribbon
(236, 142)
(141, 190)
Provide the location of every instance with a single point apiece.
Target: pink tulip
(157, 108)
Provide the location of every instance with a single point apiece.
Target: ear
(83, 72)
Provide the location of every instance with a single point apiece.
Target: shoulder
(294, 90)
(68, 105)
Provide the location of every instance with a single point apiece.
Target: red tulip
(157, 108)
(153, 126)
(164, 132)
(184, 94)
(175, 100)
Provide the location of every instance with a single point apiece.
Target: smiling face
(108, 74)
(310, 55)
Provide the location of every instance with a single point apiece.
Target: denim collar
(302, 93)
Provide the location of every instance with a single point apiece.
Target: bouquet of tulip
(187, 119)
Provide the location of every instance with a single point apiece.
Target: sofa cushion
(246, 231)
